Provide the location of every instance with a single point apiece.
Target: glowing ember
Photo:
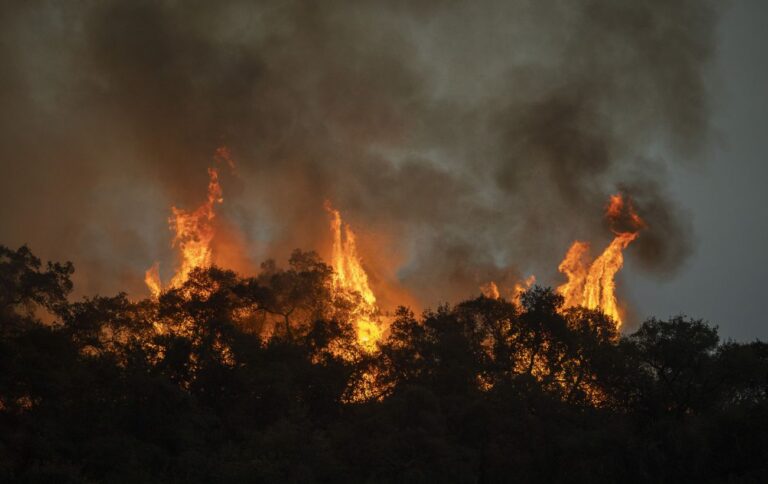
(193, 232)
(591, 284)
(349, 278)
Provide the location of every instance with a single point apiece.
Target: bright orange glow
(521, 287)
(349, 278)
(152, 280)
(193, 232)
(591, 284)
(490, 290)
(575, 269)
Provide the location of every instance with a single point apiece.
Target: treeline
(260, 379)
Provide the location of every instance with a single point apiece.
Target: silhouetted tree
(260, 379)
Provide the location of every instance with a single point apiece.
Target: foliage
(232, 379)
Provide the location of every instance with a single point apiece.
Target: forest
(229, 378)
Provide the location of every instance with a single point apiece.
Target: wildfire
(491, 289)
(349, 278)
(193, 232)
(152, 280)
(591, 283)
(521, 287)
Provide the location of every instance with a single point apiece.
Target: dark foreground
(191, 389)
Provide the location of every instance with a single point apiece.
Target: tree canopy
(260, 379)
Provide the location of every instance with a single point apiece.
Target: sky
(463, 141)
(724, 282)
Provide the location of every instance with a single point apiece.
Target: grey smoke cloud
(469, 141)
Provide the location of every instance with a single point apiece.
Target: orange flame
(490, 290)
(349, 277)
(521, 287)
(152, 280)
(592, 284)
(193, 232)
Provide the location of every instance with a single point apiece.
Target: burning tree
(484, 389)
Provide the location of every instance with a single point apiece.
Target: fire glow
(349, 277)
(193, 232)
(590, 282)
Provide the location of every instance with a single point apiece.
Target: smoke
(463, 141)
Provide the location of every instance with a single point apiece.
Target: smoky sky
(463, 141)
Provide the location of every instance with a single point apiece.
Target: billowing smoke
(464, 141)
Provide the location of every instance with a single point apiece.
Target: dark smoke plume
(468, 140)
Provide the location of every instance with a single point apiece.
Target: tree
(675, 361)
(229, 379)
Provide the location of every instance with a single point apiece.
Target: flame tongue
(152, 280)
(575, 268)
(592, 285)
(349, 278)
(193, 232)
(490, 290)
